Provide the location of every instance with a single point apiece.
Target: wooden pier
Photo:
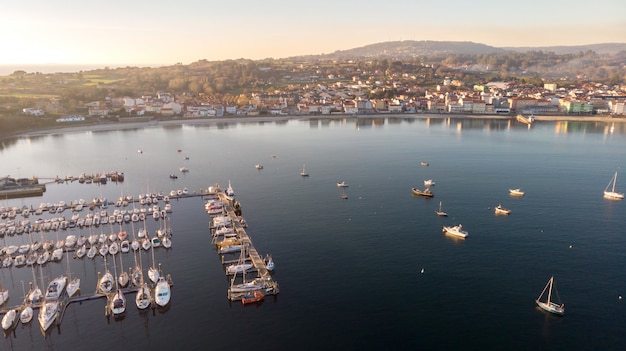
(229, 209)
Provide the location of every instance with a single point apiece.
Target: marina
(345, 267)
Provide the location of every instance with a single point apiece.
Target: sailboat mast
(550, 290)
(614, 181)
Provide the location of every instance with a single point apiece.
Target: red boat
(256, 296)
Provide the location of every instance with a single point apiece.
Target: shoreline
(110, 126)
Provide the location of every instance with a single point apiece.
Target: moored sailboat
(612, 194)
(549, 305)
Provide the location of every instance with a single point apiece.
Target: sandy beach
(106, 126)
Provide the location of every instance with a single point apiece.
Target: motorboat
(528, 120)
(424, 164)
(269, 263)
(253, 297)
(342, 184)
(516, 192)
(426, 192)
(429, 182)
(162, 292)
(173, 176)
(456, 230)
(230, 193)
(258, 166)
(183, 169)
(501, 210)
(55, 288)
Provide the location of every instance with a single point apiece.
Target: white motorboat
(456, 230)
(549, 305)
(499, 210)
(342, 184)
(429, 182)
(162, 292)
(258, 166)
(55, 288)
(516, 192)
(230, 193)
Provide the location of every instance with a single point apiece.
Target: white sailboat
(73, 284)
(612, 194)
(142, 299)
(440, 212)
(10, 319)
(303, 172)
(549, 305)
(4, 295)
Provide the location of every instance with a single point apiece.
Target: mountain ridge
(414, 48)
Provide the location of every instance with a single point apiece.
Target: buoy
(570, 246)
(422, 271)
(620, 297)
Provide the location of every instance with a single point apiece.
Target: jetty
(232, 210)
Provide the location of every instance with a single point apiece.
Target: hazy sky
(139, 32)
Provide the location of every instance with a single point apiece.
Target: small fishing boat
(253, 297)
(499, 210)
(426, 192)
(549, 305)
(269, 263)
(516, 192)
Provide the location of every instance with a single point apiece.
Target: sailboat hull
(551, 307)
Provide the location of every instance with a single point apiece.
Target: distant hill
(604, 48)
(413, 48)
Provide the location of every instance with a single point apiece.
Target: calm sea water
(350, 270)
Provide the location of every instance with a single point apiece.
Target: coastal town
(327, 98)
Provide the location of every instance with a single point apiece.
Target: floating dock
(230, 209)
